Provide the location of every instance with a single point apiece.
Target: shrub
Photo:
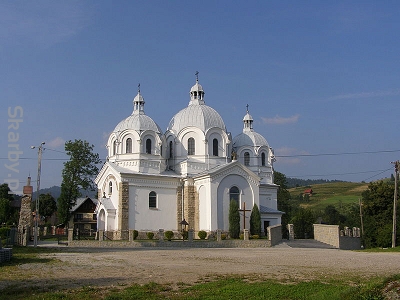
(202, 234)
(135, 234)
(169, 235)
(223, 236)
(150, 235)
(241, 236)
(4, 232)
(255, 236)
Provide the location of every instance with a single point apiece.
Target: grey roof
(80, 201)
(268, 210)
(249, 138)
(107, 203)
(138, 122)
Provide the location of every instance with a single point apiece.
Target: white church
(188, 174)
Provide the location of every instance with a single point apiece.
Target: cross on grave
(244, 214)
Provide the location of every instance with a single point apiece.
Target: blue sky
(320, 77)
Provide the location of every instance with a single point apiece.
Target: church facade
(186, 175)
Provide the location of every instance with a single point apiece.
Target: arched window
(234, 194)
(128, 145)
(191, 149)
(110, 187)
(215, 147)
(152, 200)
(263, 159)
(170, 149)
(148, 146)
(114, 148)
(247, 159)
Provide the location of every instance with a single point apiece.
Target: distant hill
(55, 191)
(332, 193)
(295, 182)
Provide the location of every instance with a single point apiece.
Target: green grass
(334, 193)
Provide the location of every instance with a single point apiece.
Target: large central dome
(197, 114)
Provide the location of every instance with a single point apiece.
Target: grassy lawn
(233, 287)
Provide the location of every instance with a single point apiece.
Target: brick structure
(25, 215)
(123, 211)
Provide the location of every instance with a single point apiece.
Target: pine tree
(255, 221)
(234, 219)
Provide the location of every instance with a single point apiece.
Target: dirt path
(120, 267)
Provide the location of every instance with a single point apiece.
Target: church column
(123, 211)
(191, 204)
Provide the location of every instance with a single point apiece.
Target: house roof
(80, 201)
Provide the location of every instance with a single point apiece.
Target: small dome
(197, 87)
(138, 122)
(248, 117)
(249, 138)
(201, 116)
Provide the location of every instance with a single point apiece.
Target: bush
(202, 234)
(4, 232)
(135, 234)
(223, 236)
(255, 236)
(241, 236)
(169, 235)
(150, 235)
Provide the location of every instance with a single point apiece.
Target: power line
(337, 174)
(339, 153)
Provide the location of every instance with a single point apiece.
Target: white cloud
(42, 22)
(55, 143)
(281, 120)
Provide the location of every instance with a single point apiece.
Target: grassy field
(232, 287)
(335, 193)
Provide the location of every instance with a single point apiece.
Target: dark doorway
(266, 225)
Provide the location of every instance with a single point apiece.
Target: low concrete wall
(275, 234)
(328, 234)
(349, 243)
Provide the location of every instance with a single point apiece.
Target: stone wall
(123, 211)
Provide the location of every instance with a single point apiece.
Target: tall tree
(378, 214)
(234, 219)
(303, 221)
(77, 175)
(284, 202)
(255, 221)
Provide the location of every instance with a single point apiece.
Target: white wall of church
(142, 217)
(204, 209)
(248, 194)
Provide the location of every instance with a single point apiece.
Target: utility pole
(361, 218)
(396, 175)
(36, 233)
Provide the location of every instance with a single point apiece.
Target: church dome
(201, 116)
(249, 137)
(138, 120)
(197, 114)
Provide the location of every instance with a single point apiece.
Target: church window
(110, 187)
(234, 194)
(247, 159)
(263, 159)
(215, 147)
(148, 146)
(191, 147)
(114, 148)
(152, 200)
(129, 145)
(170, 149)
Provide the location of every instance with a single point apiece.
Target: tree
(284, 202)
(378, 214)
(5, 210)
(234, 219)
(303, 222)
(47, 205)
(332, 216)
(255, 221)
(4, 189)
(77, 175)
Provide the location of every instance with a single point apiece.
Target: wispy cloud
(281, 120)
(55, 143)
(43, 23)
(362, 95)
